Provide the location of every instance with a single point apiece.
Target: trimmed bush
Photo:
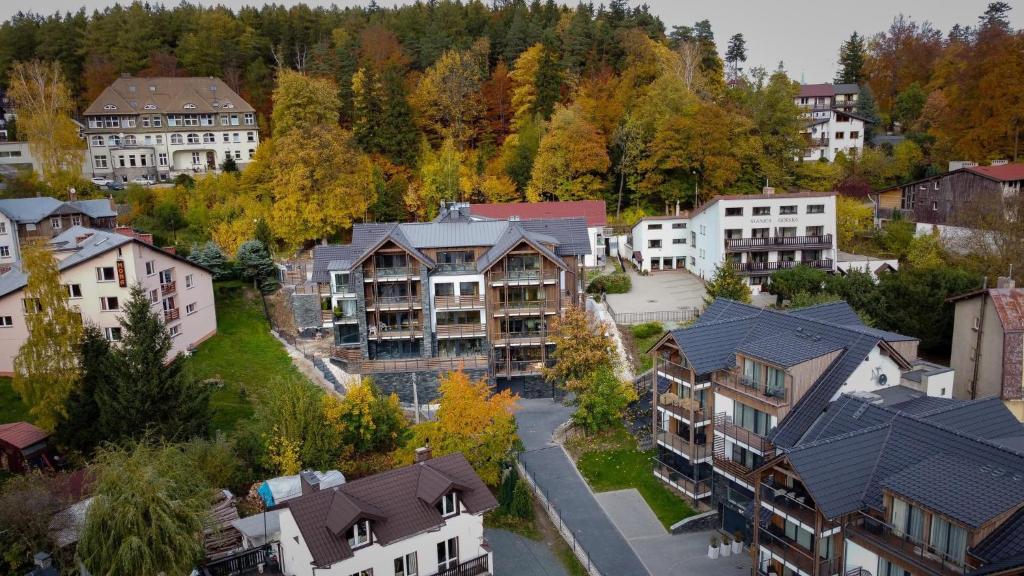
(614, 283)
(647, 330)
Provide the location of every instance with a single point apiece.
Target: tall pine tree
(736, 54)
(852, 54)
(79, 429)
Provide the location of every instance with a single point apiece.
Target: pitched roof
(1009, 303)
(816, 90)
(176, 95)
(1002, 173)
(846, 88)
(394, 500)
(831, 312)
(29, 210)
(592, 210)
(773, 196)
(21, 435)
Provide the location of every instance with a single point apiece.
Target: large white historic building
(158, 128)
(832, 123)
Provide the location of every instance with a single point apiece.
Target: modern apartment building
(99, 267)
(157, 128)
(460, 290)
(758, 233)
(832, 123)
(31, 219)
(421, 520)
(988, 345)
(592, 210)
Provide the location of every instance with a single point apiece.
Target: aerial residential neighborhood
(511, 289)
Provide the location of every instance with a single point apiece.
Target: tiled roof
(391, 499)
(1009, 304)
(712, 345)
(725, 309)
(986, 418)
(176, 95)
(846, 88)
(787, 348)
(1003, 173)
(816, 90)
(95, 208)
(21, 435)
(592, 210)
(571, 234)
(832, 312)
(1005, 542)
(29, 210)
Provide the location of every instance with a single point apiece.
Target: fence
(630, 318)
(556, 519)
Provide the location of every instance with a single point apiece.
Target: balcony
(523, 277)
(677, 371)
(912, 554)
(752, 267)
(777, 243)
(521, 367)
(327, 316)
(458, 302)
(513, 307)
(695, 489)
(474, 567)
(789, 503)
(395, 273)
(359, 365)
(527, 337)
(456, 268)
(725, 425)
(475, 330)
(244, 563)
(393, 302)
(406, 330)
(682, 445)
(168, 288)
(735, 380)
(171, 315)
(686, 408)
(791, 554)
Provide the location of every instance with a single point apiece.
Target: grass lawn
(11, 407)
(243, 355)
(644, 336)
(610, 461)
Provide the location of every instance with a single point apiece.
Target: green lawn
(612, 462)
(243, 355)
(11, 407)
(644, 336)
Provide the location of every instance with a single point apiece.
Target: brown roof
(592, 210)
(21, 435)
(816, 90)
(1009, 303)
(395, 501)
(191, 95)
(777, 195)
(1002, 173)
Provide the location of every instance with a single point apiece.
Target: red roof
(1002, 173)
(1009, 303)
(21, 434)
(817, 90)
(592, 210)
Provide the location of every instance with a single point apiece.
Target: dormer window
(449, 505)
(359, 534)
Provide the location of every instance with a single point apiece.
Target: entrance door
(211, 161)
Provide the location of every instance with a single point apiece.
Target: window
(6, 321)
(236, 137)
(815, 208)
(654, 226)
(654, 243)
(341, 282)
(98, 141)
(74, 290)
(197, 159)
(154, 296)
(190, 309)
(854, 135)
(250, 119)
(76, 219)
(159, 138)
(250, 136)
(3, 227)
(208, 138)
(679, 226)
(887, 568)
(130, 140)
(238, 154)
(447, 554)
(167, 276)
(252, 152)
(150, 267)
(234, 119)
(161, 158)
(907, 520)
(776, 385)
(787, 210)
(224, 120)
(226, 137)
(799, 535)
(193, 138)
(762, 210)
(176, 139)
(948, 539)
(174, 330)
(109, 303)
(449, 505)
(112, 334)
(679, 240)
(751, 419)
(5, 251)
(131, 159)
(55, 223)
(406, 565)
(105, 274)
(738, 211)
(189, 281)
(758, 280)
(840, 135)
(31, 305)
(359, 534)
(157, 123)
(367, 572)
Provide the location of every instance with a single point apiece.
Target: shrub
(507, 489)
(647, 330)
(522, 501)
(614, 283)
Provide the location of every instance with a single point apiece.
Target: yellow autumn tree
(571, 161)
(45, 105)
(442, 177)
(448, 96)
(853, 218)
(524, 89)
(302, 102)
(470, 420)
(581, 347)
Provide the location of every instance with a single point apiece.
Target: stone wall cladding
(1013, 367)
(306, 310)
(427, 383)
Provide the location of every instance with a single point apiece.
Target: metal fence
(556, 519)
(630, 318)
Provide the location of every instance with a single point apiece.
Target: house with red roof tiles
(23, 447)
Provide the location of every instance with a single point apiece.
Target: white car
(142, 181)
(101, 181)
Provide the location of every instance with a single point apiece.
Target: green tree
(602, 399)
(868, 108)
(29, 512)
(853, 219)
(912, 301)
(367, 420)
(926, 251)
(229, 165)
(210, 256)
(80, 428)
(726, 283)
(858, 289)
(254, 264)
(46, 366)
(571, 161)
(302, 102)
(293, 415)
(147, 513)
(852, 54)
(149, 390)
(785, 284)
(580, 348)
(736, 54)
(909, 105)
(896, 237)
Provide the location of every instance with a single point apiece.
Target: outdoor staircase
(318, 362)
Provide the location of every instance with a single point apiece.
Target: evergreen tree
(868, 108)
(149, 391)
(264, 235)
(254, 264)
(398, 134)
(210, 256)
(735, 54)
(852, 54)
(229, 165)
(79, 428)
(726, 283)
(46, 367)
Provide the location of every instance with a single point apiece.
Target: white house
(832, 122)
(99, 267)
(660, 242)
(421, 520)
(160, 127)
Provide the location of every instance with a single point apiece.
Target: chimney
(768, 190)
(423, 454)
(1005, 283)
(310, 482)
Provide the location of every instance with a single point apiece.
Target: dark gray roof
(571, 234)
(987, 418)
(725, 309)
(324, 255)
(832, 312)
(712, 345)
(1006, 542)
(29, 210)
(846, 88)
(95, 208)
(512, 237)
(845, 415)
(787, 348)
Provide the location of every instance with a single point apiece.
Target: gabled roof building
(27, 219)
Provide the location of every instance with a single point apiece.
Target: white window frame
(6, 321)
(105, 302)
(150, 267)
(56, 223)
(189, 281)
(359, 534)
(162, 158)
(110, 331)
(174, 330)
(101, 277)
(5, 251)
(190, 309)
(154, 296)
(450, 550)
(74, 291)
(407, 565)
(76, 219)
(449, 505)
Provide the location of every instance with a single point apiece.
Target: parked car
(100, 180)
(114, 185)
(142, 181)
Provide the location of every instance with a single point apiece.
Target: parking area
(659, 292)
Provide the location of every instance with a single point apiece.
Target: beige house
(988, 345)
(99, 268)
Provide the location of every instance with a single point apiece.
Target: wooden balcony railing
(725, 425)
(525, 306)
(789, 552)
(686, 408)
(474, 567)
(458, 302)
(168, 288)
(788, 502)
(750, 267)
(171, 315)
(525, 337)
(867, 529)
(666, 368)
(777, 242)
(681, 481)
(415, 364)
(738, 382)
(327, 315)
(694, 452)
(460, 330)
(396, 331)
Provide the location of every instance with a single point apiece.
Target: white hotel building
(758, 233)
(158, 128)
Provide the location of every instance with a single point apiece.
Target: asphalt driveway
(659, 292)
(515, 555)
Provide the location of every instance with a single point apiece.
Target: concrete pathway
(515, 555)
(660, 291)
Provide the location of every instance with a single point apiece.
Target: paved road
(515, 555)
(556, 475)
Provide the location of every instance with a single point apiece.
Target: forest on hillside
(517, 100)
